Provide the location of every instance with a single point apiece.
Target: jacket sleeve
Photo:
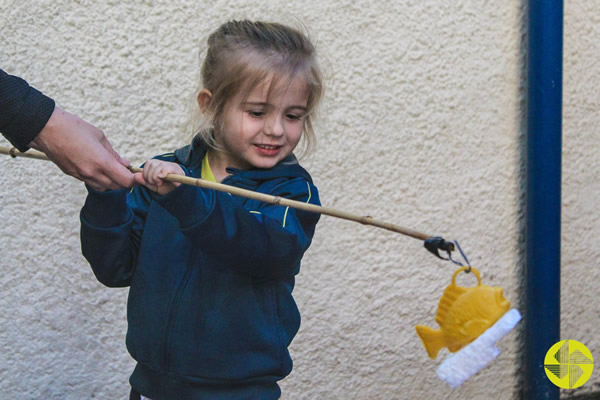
(24, 111)
(267, 241)
(111, 231)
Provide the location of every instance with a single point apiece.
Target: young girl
(210, 310)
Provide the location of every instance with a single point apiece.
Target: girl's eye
(294, 117)
(256, 114)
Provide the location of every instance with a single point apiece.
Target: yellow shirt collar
(206, 173)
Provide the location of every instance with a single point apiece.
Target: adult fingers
(118, 174)
(116, 166)
(106, 144)
(105, 173)
(138, 178)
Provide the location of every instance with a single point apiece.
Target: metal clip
(435, 244)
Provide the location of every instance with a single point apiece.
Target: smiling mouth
(267, 146)
(268, 150)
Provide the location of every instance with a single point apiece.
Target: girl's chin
(266, 162)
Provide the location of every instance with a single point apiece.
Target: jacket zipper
(171, 321)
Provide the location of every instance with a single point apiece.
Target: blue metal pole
(544, 146)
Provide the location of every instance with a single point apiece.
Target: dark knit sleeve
(24, 111)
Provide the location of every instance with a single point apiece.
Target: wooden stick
(13, 152)
(186, 180)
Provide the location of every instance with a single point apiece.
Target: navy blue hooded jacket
(210, 310)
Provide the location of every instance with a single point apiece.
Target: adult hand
(81, 150)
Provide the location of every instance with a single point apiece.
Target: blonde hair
(241, 55)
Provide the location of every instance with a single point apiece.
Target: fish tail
(432, 339)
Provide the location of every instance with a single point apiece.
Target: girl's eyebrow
(263, 104)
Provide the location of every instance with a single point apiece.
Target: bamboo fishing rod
(432, 243)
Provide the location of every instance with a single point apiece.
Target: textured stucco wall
(580, 275)
(422, 126)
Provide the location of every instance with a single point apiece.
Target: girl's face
(264, 128)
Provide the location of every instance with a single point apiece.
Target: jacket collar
(191, 156)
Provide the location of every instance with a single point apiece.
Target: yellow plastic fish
(463, 315)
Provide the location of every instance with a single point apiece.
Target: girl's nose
(274, 126)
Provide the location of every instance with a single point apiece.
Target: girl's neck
(218, 164)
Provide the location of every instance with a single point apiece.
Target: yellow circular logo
(569, 364)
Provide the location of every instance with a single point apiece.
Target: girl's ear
(204, 98)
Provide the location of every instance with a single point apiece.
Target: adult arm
(24, 111)
(28, 118)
